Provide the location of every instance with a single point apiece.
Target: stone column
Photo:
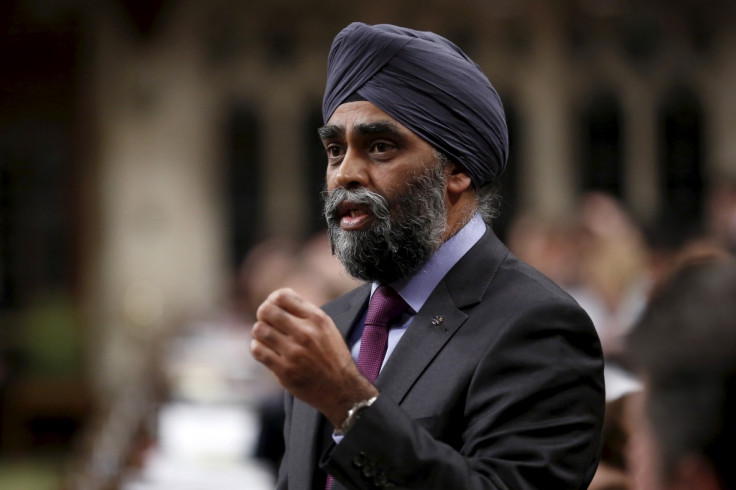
(548, 176)
(640, 150)
(720, 110)
(158, 256)
(283, 160)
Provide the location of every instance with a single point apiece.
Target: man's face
(385, 206)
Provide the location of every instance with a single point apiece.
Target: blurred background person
(614, 469)
(684, 349)
(613, 285)
(598, 254)
(721, 213)
(550, 245)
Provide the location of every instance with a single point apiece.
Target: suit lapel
(428, 332)
(344, 311)
(441, 316)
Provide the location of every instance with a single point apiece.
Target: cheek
(330, 180)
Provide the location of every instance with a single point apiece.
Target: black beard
(403, 235)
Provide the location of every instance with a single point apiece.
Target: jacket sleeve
(282, 478)
(529, 417)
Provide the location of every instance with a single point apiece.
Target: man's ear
(458, 181)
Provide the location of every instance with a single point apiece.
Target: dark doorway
(242, 178)
(681, 158)
(602, 162)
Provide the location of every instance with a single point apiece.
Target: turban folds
(426, 83)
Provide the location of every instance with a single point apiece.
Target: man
(492, 376)
(684, 435)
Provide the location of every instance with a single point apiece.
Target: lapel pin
(438, 320)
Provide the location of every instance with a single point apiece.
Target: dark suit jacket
(506, 392)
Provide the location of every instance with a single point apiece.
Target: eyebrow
(330, 132)
(333, 131)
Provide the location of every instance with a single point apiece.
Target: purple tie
(386, 306)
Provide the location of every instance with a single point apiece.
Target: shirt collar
(415, 290)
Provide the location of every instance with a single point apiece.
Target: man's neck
(416, 288)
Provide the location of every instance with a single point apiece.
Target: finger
(263, 354)
(269, 336)
(277, 317)
(293, 303)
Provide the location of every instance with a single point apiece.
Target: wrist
(337, 406)
(353, 414)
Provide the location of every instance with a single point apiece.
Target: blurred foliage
(51, 343)
(27, 475)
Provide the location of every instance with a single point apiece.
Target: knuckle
(263, 309)
(256, 349)
(301, 335)
(260, 331)
(274, 296)
(318, 316)
(262, 354)
(269, 312)
(280, 295)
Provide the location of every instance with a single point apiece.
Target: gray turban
(427, 84)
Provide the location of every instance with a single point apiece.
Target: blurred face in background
(646, 456)
(643, 453)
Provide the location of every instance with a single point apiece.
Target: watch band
(353, 414)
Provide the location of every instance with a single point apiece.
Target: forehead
(358, 108)
(360, 114)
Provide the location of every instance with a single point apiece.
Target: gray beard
(403, 235)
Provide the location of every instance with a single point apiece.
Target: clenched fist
(301, 345)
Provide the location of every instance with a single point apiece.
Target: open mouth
(353, 216)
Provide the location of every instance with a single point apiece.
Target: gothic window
(680, 157)
(242, 180)
(601, 148)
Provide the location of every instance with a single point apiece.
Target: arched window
(40, 186)
(242, 180)
(680, 157)
(601, 148)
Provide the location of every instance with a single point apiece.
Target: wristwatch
(353, 415)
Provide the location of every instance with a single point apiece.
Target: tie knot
(386, 305)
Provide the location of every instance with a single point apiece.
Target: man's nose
(352, 171)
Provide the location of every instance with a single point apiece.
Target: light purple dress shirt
(416, 289)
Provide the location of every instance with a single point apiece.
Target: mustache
(374, 202)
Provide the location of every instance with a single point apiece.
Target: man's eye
(333, 151)
(380, 147)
